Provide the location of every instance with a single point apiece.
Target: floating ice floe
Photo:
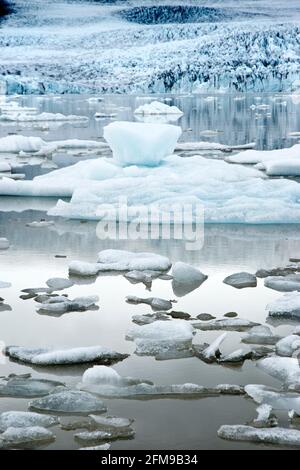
(69, 402)
(264, 156)
(203, 145)
(199, 182)
(31, 117)
(285, 369)
(186, 278)
(161, 336)
(261, 335)
(236, 357)
(154, 302)
(29, 436)
(120, 260)
(4, 285)
(58, 283)
(230, 324)
(4, 244)
(156, 107)
(288, 346)
(54, 357)
(241, 280)
(60, 305)
(150, 318)
(27, 387)
(25, 419)
(146, 277)
(40, 223)
(287, 306)
(284, 167)
(210, 353)
(106, 382)
(105, 446)
(140, 143)
(288, 283)
(277, 272)
(277, 436)
(98, 436)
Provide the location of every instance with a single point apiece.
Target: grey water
(31, 260)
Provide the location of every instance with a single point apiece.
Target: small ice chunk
(17, 436)
(111, 422)
(4, 285)
(287, 306)
(288, 346)
(18, 143)
(186, 278)
(84, 269)
(277, 436)
(212, 353)
(59, 306)
(236, 357)
(4, 244)
(105, 446)
(161, 335)
(150, 318)
(260, 335)
(54, 357)
(229, 324)
(140, 143)
(25, 419)
(241, 280)
(96, 436)
(265, 417)
(58, 283)
(155, 302)
(156, 107)
(27, 387)
(120, 260)
(69, 402)
(285, 369)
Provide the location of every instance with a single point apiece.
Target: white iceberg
(25, 419)
(54, 357)
(156, 107)
(141, 144)
(278, 436)
(287, 306)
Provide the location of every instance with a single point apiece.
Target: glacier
(171, 47)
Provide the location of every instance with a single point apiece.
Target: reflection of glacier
(164, 48)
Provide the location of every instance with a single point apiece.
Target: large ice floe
(27, 387)
(14, 437)
(106, 382)
(55, 357)
(25, 419)
(277, 436)
(285, 369)
(147, 177)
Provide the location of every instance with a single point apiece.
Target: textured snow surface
(168, 47)
(141, 144)
(285, 369)
(25, 419)
(16, 436)
(287, 306)
(69, 402)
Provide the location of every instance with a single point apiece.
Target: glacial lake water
(31, 260)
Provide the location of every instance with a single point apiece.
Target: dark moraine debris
(179, 315)
(5, 8)
(241, 280)
(230, 314)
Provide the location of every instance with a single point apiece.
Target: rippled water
(30, 261)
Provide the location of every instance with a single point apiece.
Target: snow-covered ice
(141, 144)
(285, 369)
(287, 306)
(212, 353)
(288, 346)
(278, 436)
(230, 324)
(54, 357)
(109, 435)
(120, 260)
